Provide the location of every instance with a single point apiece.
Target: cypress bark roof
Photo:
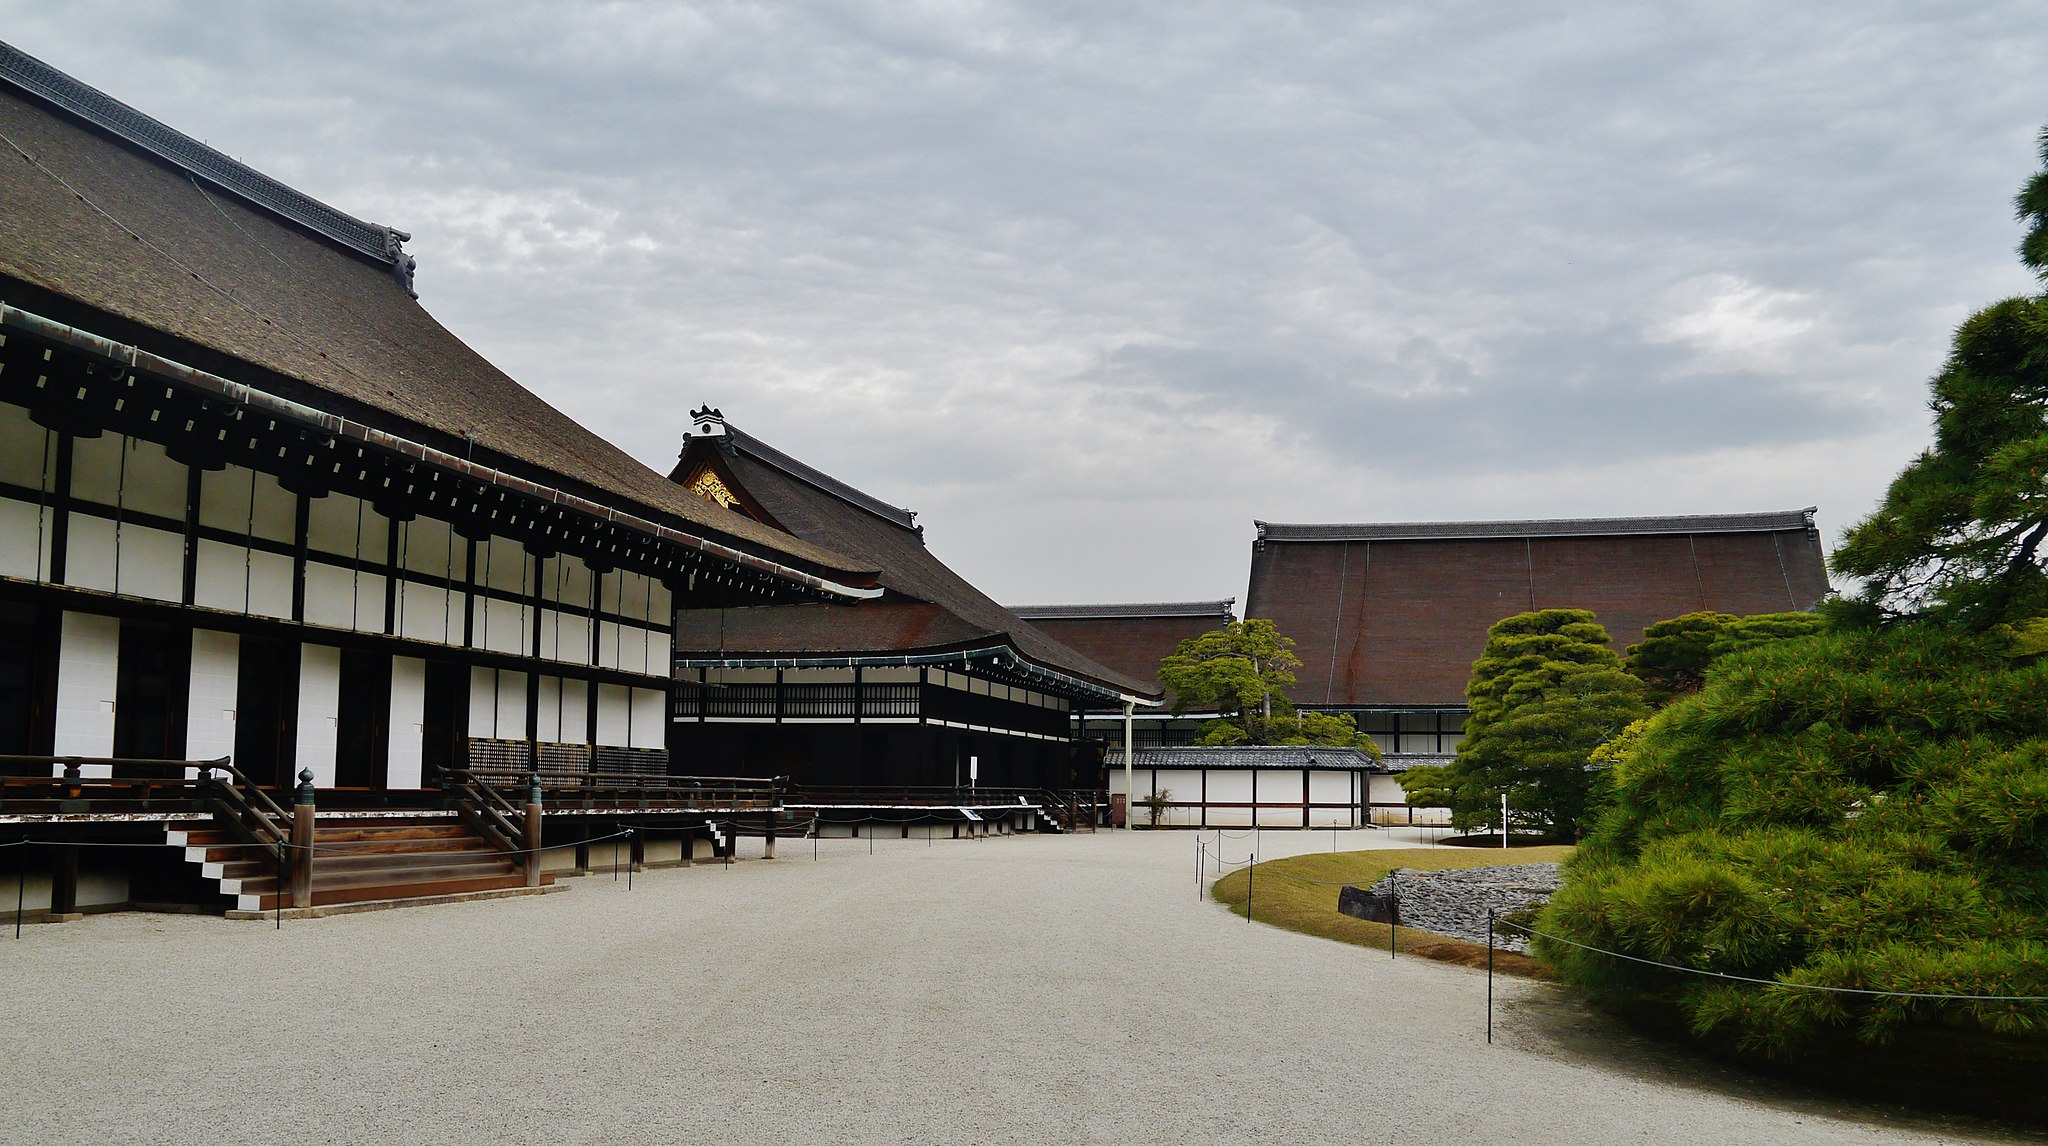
(1767, 522)
(1130, 638)
(1393, 615)
(109, 221)
(1220, 610)
(926, 606)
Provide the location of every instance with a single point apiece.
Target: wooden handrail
(244, 804)
(487, 810)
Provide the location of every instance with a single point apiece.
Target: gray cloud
(1092, 286)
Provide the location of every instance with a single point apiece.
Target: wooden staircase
(358, 861)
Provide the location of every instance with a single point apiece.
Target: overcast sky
(1092, 286)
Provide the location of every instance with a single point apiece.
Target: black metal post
(1489, 976)
(20, 887)
(1393, 910)
(629, 866)
(1248, 887)
(615, 855)
(277, 901)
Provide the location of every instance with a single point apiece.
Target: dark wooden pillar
(64, 881)
(302, 842)
(533, 829)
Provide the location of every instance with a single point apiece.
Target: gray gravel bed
(1032, 989)
(1455, 902)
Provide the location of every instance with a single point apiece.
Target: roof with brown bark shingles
(180, 257)
(1392, 616)
(925, 606)
(1131, 638)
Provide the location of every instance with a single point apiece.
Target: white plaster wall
(427, 546)
(222, 577)
(24, 540)
(549, 724)
(1327, 787)
(575, 711)
(331, 525)
(276, 508)
(424, 613)
(152, 563)
(1183, 783)
(614, 715)
(330, 595)
(1388, 790)
(153, 483)
(319, 710)
(483, 703)
(608, 642)
(369, 603)
(211, 702)
(502, 627)
(633, 648)
(224, 499)
(1230, 785)
(511, 705)
(650, 719)
(564, 637)
(28, 452)
(96, 469)
(90, 559)
(506, 565)
(270, 584)
(88, 664)
(408, 722)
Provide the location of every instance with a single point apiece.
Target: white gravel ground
(1029, 989)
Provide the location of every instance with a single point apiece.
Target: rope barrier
(1776, 982)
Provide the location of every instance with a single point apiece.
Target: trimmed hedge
(1861, 809)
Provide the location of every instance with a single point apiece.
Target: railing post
(533, 833)
(302, 842)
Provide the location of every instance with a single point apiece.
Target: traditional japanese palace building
(1133, 639)
(1388, 618)
(931, 684)
(256, 503)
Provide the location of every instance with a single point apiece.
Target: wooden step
(328, 849)
(253, 867)
(376, 833)
(366, 892)
(361, 861)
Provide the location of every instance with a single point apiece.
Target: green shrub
(1860, 810)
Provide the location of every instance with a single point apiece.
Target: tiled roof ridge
(377, 242)
(1225, 607)
(1768, 521)
(768, 455)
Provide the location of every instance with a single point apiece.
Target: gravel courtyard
(1030, 989)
